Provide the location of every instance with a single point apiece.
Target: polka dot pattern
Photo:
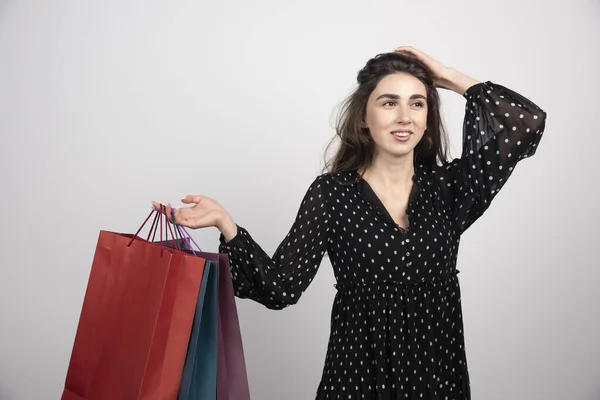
(396, 321)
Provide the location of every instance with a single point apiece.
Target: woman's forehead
(401, 83)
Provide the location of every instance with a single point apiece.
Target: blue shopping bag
(199, 379)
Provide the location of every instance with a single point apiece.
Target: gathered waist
(379, 284)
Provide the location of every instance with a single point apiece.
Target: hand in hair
(445, 77)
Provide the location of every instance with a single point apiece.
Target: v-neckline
(378, 205)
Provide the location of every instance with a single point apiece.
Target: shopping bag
(132, 337)
(199, 380)
(232, 379)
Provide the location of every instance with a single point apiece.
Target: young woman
(389, 212)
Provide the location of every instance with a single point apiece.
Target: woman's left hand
(439, 70)
(444, 77)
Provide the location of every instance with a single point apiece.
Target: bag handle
(185, 235)
(156, 224)
(153, 227)
(141, 227)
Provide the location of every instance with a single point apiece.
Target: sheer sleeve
(279, 281)
(500, 129)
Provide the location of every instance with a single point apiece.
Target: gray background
(106, 105)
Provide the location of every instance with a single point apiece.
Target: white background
(106, 105)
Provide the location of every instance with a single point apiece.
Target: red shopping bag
(136, 319)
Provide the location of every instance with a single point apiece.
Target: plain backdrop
(106, 105)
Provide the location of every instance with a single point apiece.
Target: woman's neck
(393, 175)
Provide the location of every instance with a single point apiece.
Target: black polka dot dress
(396, 323)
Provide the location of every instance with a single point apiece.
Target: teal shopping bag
(199, 379)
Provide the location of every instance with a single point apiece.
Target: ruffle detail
(430, 282)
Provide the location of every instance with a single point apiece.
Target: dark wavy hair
(356, 144)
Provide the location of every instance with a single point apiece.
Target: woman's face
(396, 115)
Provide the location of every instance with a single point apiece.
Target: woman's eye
(392, 103)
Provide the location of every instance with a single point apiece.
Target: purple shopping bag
(232, 379)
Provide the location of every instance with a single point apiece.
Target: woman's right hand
(204, 212)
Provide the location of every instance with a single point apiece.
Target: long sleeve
(500, 129)
(279, 281)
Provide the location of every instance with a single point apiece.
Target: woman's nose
(403, 115)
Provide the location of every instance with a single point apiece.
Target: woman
(389, 212)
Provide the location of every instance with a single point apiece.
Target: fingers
(156, 206)
(164, 209)
(410, 50)
(186, 216)
(181, 216)
(407, 53)
(191, 199)
(168, 213)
